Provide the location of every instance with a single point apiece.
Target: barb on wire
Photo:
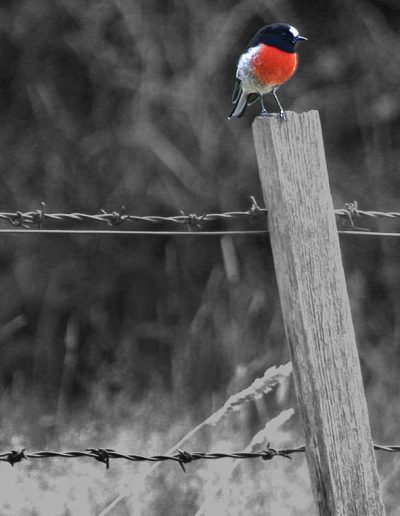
(14, 456)
(351, 212)
(182, 457)
(193, 221)
(39, 218)
(117, 217)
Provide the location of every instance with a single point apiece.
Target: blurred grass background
(111, 103)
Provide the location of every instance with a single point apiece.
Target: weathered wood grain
(317, 315)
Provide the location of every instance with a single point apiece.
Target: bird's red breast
(273, 66)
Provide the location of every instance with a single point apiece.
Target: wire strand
(191, 224)
(182, 457)
(260, 232)
(129, 232)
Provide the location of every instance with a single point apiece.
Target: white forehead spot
(294, 32)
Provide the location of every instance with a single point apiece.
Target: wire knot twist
(101, 454)
(18, 220)
(270, 453)
(183, 458)
(193, 221)
(39, 215)
(15, 456)
(351, 211)
(254, 208)
(117, 217)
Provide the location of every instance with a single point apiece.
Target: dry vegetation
(131, 342)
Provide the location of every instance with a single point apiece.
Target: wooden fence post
(317, 317)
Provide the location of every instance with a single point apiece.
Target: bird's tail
(240, 104)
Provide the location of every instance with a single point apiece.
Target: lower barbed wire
(182, 457)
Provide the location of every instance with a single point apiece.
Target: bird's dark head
(278, 35)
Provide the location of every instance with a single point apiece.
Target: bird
(269, 60)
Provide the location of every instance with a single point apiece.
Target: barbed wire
(192, 221)
(181, 457)
(115, 218)
(262, 232)
(191, 224)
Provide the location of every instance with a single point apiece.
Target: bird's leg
(282, 114)
(264, 112)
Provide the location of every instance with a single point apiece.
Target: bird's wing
(236, 91)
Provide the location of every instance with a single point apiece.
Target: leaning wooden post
(316, 313)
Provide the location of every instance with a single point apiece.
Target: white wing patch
(244, 73)
(244, 69)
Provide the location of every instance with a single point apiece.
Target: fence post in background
(316, 313)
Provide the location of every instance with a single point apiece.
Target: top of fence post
(316, 312)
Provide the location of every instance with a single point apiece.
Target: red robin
(268, 61)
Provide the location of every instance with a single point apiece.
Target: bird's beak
(301, 38)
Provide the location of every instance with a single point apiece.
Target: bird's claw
(282, 115)
(264, 112)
